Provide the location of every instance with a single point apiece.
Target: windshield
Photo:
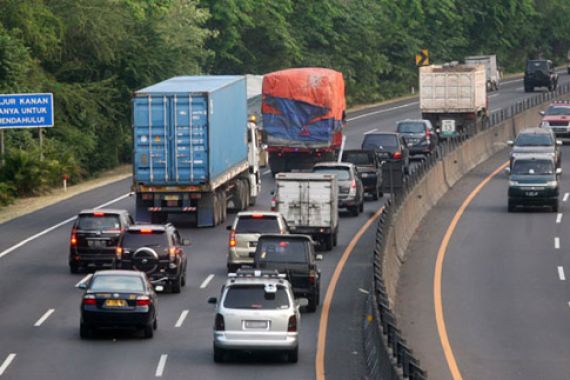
(379, 140)
(532, 139)
(136, 240)
(94, 222)
(411, 127)
(534, 66)
(108, 283)
(257, 225)
(525, 167)
(282, 250)
(342, 174)
(360, 158)
(255, 297)
(557, 110)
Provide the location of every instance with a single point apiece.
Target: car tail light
(258, 216)
(143, 301)
(119, 252)
(353, 185)
(233, 242)
(273, 204)
(219, 324)
(172, 253)
(292, 325)
(146, 231)
(73, 240)
(397, 154)
(98, 213)
(428, 133)
(312, 277)
(89, 300)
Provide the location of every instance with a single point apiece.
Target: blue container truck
(194, 152)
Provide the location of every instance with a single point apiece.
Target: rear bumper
(103, 259)
(255, 342)
(241, 256)
(117, 319)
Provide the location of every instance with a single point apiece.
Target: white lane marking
(161, 365)
(561, 274)
(6, 363)
(84, 279)
(181, 319)
(371, 131)
(56, 226)
(364, 291)
(266, 172)
(44, 317)
(556, 243)
(559, 218)
(382, 111)
(206, 281)
(566, 195)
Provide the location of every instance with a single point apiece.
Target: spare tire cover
(145, 260)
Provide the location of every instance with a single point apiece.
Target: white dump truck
(491, 70)
(309, 204)
(453, 98)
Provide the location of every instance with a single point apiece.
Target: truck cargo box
(303, 107)
(452, 89)
(491, 70)
(190, 131)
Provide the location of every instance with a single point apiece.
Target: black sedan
(118, 299)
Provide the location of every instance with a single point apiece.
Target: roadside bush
(6, 194)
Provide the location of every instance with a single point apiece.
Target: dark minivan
(419, 135)
(388, 146)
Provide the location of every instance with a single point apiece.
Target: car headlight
(513, 183)
(552, 183)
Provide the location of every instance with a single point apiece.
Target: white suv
(245, 231)
(257, 312)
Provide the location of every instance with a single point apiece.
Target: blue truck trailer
(194, 152)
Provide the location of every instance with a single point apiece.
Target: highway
(39, 328)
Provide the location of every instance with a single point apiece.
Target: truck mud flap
(205, 211)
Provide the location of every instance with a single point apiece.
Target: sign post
(2, 149)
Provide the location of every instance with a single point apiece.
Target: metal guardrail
(389, 356)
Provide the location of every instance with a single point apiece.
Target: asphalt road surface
(39, 312)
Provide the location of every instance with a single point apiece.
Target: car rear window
(266, 224)
(110, 283)
(98, 222)
(282, 250)
(360, 158)
(373, 141)
(255, 297)
(133, 239)
(557, 110)
(522, 167)
(534, 139)
(342, 173)
(534, 66)
(411, 127)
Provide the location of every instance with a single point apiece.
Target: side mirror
(212, 300)
(186, 242)
(229, 228)
(510, 143)
(559, 142)
(558, 171)
(507, 171)
(82, 285)
(301, 302)
(319, 257)
(159, 288)
(541, 113)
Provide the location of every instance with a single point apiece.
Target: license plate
(115, 303)
(531, 193)
(97, 243)
(171, 197)
(256, 324)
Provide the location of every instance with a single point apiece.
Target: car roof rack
(257, 273)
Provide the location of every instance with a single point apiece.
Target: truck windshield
(529, 167)
(342, 174)
(410, 127)
(556, 111)
(531, 139)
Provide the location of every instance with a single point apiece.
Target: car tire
(176, 285)
(354, 210)
(84, 331)
(148, 331)
(361, 207)
(155, 323)
(555, 206)
(314, 300)
(74, 268)
(219, 355)
(293, 355)
(512, 206)
(528, 89)
(232, 268)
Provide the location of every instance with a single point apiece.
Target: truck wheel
(246, 194)
(237, 197)
(328, 241)
(335, 238)
(528, 88)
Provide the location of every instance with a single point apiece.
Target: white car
(257, 312)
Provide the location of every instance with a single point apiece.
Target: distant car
(389, 146)
(244, 232)
(369, 168)
(534, 181)
(536, 140)
(94, 237)
(120, 300)
(256, 312)
(557, 118)
(540, 73)
(350, 188)
(295, 256)
(419, 135)
(157, 250)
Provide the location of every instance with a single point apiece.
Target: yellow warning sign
(422, 59)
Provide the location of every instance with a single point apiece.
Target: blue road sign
(26, 111)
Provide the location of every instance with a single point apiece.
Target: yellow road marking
(440, 321)
(324, 321)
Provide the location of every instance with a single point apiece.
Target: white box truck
(309, 204)
(454, 98)
(491, 71)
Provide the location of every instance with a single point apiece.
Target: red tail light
(98, 213)
(397, 155)
(89, 300)
(312, 277)
(233, 242)
(219, 324)
(143, 301)
(145, 231)
(257, 216)
(73, 240)
(273, 204)
(353, 185)
(428, 133)
(292, 325)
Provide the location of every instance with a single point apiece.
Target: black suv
(540, 73)
(295, 256)
(369, 169)
(94, 237)
(157, 251)
(388, 146)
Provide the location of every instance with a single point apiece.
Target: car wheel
(528, 89)
(183, 281)
(176, 285)
(353, 210)
(73, 268)
(555, 206)
(361, 208)
(219, 354)
(148, 331)
(293, 355)
(313, 301)
(232, 268)
(84, 331)
(155, 323)
(512, 206)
